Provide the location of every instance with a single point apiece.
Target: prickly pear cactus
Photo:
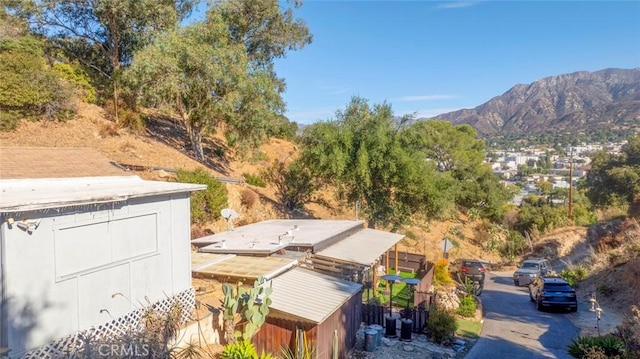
(248, 307)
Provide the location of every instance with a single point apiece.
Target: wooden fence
(407, 262)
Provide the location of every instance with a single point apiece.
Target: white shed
(78, 253)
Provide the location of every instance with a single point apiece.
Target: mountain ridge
(576, 101)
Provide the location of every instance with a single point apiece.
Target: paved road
(513, 328)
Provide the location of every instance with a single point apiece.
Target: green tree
(360, 153)
(615, 179)
(193, 72)
(457, 151)
(102, 34)
(267, 32)
(207, 204)
(294, 184)
(29, 86)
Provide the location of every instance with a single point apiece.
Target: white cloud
(429, 112)
(424, 98)
(455, 4)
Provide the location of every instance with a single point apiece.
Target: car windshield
(471, 264)
(529, 265)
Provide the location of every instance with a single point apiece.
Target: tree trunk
(229, 331)
(115, 101)
(195, 135)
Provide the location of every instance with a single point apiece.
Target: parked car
(549, 292)
(531, 269)
(471, 269)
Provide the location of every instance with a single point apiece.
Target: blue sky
(432, 57)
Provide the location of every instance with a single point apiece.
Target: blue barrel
(380, 329)
(370, 340)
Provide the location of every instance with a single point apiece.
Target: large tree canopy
(103, 34)
(615, 179)
(457, 151)
(193, 72)
(360, 153)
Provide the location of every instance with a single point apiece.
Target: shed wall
(83, 267)
(278, 332)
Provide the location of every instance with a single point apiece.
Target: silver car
(531, 269)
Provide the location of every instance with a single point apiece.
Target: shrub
(29, 87)
(248, 198)
(467, 307)
(441, 274)
(79, 78)
(441, 325)
(610, 346)
(206, 204)
(242, 350)
(574, 274)
(254, 180)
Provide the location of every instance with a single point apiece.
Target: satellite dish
(229, 215)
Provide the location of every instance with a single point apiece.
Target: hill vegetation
(204, 99)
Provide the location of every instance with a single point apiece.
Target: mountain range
(569, 102)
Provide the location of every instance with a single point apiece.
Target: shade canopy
(391, 277)
(411, 281)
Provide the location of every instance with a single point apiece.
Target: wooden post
(387, 268)
(374, 279)
(396, 267)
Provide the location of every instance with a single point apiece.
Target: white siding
(82, 261)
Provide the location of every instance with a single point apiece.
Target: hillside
(582, 100)
(610, 250)
(165, 146)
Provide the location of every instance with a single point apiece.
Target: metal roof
(270, 236)
(310, 296)
(19, 195)
(363, 247)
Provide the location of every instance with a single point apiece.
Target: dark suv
(472, 269)
(553, 292)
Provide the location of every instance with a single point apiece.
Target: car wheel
(516, 283)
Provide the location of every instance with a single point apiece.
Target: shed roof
(226, 266)
(54, 162)
(18, 195)
(310, 296)
(267, 237)
(363, 247)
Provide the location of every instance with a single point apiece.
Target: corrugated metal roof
(363, 247)
(54, 162)
(36, 194)
(310, 296)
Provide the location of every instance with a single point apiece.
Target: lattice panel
(62, 347)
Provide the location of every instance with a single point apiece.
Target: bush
(242, 350)
(575, 274)
(441, 325)
(590, 347)
(467, 307)
(254, 180)
(248, 198)
(29, 88)
(206, 204)
(441, 274)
